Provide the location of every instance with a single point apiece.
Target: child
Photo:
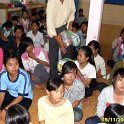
(35, 61)
(83, 27)
(17, 114)
(5, 34)
(15, 44)
(118, 47)
(81, 17)
(15, 87)
(36, 35)
(109, 95)
(14, 21)
(53, 108)
(24, 21)
(99, 61)
(74, 89)
(86, 69)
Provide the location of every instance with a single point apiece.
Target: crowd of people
(26, 62)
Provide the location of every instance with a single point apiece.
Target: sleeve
(41, 38)
(81, 91)
(40, 110)
(24, 88)
(1, 59)
(25, 64)
(102, 67)
(69, 114)
(101, 104)
(92, 72)
(72, 11)
(3, 85)
(50, 19)
(43, 56)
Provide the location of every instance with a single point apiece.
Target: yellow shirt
(59, 14)
(55, 115)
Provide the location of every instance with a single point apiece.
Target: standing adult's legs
(53, 56)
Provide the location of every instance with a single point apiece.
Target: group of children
(22, 46)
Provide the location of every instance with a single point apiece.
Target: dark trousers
(93, 120)
(94, 85)
(8, 99)
(54, 52)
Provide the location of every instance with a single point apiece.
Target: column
(95, 17)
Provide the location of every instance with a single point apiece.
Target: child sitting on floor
(53, 108)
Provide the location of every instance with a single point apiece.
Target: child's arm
(86, 81)
(76, 103)
(31, 55)
(2, 37)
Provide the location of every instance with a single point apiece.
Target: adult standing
(60, 14)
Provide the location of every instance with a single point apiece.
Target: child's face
(57, 95)
(18, 33)
(25, 15)
(30, 48)
(34, 27)
(14, 23)
(94, 51)
(119, 84)
(69, 77)
(12, 66)
(84, 28)
(81, 57)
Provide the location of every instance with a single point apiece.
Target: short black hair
(26, 41)
(15, 18)
(17, 114)
(18, 27)
(68, 67)
(120, 72)
(54, 83)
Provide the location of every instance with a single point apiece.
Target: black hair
(68, 67)
(9, 55)
(88, 53)
(26, 41)
(84, 23)
(7, 24)
(17, 114)
(41, 12)
(24, 10)
(18, 27)
(114, 111)
(15, 18)
(54, 83)
(75, 25)
(122, 31)
(95, 44)
(119, 72)
(35, 22)
(80, 10)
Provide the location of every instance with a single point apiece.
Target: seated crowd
(25, 63)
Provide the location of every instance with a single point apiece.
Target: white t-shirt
(88, 71)
(37, 40)
(104, 100)
(100, 65)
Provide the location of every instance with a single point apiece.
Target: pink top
(1, 59)
(29, 64)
